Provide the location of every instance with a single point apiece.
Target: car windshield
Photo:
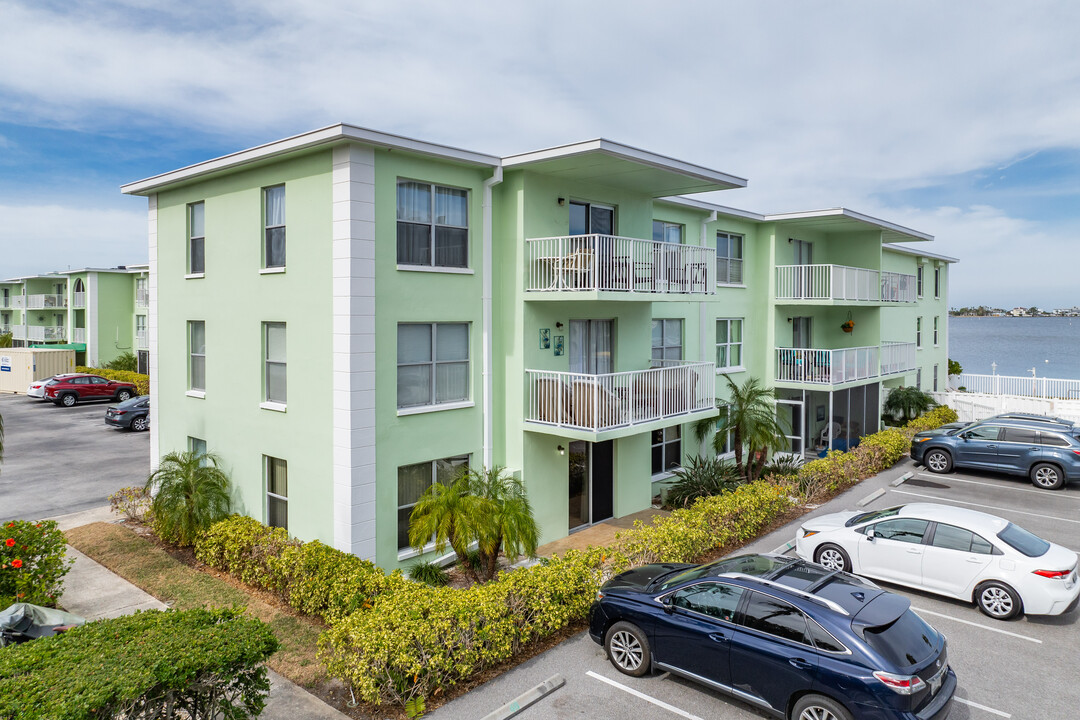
(873, 515)
(1023, 541)
(745, 564)
(907, 641)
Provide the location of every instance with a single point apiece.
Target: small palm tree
(751, 419)
(907, 403)
(191, 492)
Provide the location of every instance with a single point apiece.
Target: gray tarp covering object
(23, 621)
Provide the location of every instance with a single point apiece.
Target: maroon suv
(71, 389)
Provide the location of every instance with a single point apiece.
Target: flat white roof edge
(314, 138)
(844, 212)
(712, 207)
(916, 251)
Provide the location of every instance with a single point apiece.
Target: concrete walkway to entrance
(597, 535)
(94, 592)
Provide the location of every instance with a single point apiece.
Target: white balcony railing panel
(54, 333)
(840, 282)
(78, 300)
(142, 298)
(78, 335)
(40, 302)
(611, 263)
(826, 367)
(614, 400)
(1021, 385)
(18, 332)
(897, 287)
(897, 357)
(142, 339)
(19, 302)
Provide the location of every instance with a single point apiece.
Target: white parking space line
(999, 486)
(999, 713)
(978, 625)
(992, 507)
(643, 696)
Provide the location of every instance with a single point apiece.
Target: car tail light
(902, 684)
(1053, 574)
(119, 412)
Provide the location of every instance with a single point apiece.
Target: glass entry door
(591, 483)
(800, 332)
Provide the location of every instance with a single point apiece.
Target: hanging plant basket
(848, 326)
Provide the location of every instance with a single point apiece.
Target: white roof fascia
(920, 253)
(711, 207)
(126, 271)
(844, 212)
(625, 152)
(315, 138)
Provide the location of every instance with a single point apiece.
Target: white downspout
(486, 258)
(703, 353)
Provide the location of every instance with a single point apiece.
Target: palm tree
(191, 492)
(486, 507)
(752, 422)
(908, 403)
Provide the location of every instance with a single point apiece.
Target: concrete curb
(784, 548)
(900, 480)
(527, 698)
(870, 498)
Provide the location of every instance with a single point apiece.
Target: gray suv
(1048, 453)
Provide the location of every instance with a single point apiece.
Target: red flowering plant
(32, 563)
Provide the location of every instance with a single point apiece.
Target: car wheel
(819, 707)
(628, 649)
(123, 395)
(69, 400)
(938, 461)
(1047, 477)
(998, 600)
(833, 557)
(140, 424)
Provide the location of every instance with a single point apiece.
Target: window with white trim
(274, 227)
(918, 379)
(432, 225)
(196, 238)
(935, 377)
(918, 280)
(277, 491)
(666, 449)
(936, 330)
(667, 340)
(729, 342)
(937, 282)
(729, 258)
(197, 355)
(667, 232)
(197, 446)
(432, 363)
(413, 482)
(274, 363)
(728, 447)
(918, 332)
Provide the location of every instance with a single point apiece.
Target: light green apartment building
(346, 316)
(101, 313)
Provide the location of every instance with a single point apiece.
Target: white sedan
(963, 554)
(37, 388)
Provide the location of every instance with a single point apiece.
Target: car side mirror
(669, 606)
(870, 534)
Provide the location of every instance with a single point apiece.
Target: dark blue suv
(785, 635)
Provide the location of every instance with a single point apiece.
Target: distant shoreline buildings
(984, 311)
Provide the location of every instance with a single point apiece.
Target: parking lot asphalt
(61, 460)
(1018, 669)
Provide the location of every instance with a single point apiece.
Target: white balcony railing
(840, 282)
(826, 367)
(607, 262)
(78, 300)
(39, 302)
(142, 339)
(613, 400)
(897, 357)
(142, 298)
(78, 335)
(18, 332)
(46, 333)
(18, 302)
(1021, 385)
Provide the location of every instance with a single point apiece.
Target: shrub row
(200, 664)
(32, 564)
(142, 382)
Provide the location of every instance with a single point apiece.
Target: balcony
(809, 366)
(627, 268)
(78, 300)
(840, 284)
(600, 407)
(18, 302)
(18, 332)
(39, 333)
(142, 298)
(40, 302)
(78, 335)
(142, 339)
(5, 329)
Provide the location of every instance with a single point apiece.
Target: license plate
(939, 677)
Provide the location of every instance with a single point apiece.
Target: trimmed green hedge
(206, 662)
(142, 382)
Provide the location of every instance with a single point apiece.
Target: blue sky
(961, 119)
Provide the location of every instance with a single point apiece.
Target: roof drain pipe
(704, 350)
(494, 180)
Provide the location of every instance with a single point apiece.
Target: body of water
(1050, 345)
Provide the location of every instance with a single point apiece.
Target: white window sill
(196, 393)
(436, 269)
(410, 553)
(737, 368)
(731, 285)
(659, 477)
(194, 276)
(276, 407)
(272, 271)
(435, 408)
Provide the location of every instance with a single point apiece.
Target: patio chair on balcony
(552, 401)
(596, 407)
(577, 269)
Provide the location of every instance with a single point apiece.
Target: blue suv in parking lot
(788, 636)
(1043, 450)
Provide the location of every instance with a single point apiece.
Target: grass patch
(148, 566)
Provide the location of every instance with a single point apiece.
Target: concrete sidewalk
(95, 592)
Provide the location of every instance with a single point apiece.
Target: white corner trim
(194, 393)
(194, 276)
(435, 408)
(272, 271)
(276, 407)
(436, 269)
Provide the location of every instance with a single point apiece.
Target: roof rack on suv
(832, 605)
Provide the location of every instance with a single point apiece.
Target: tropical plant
(191, 492)
(783, 466)
(428, 572)
(5, 340)
(701, 477)
(753, 425)
(954, 367)
(907, 403)
(486, 507)
(126, 362)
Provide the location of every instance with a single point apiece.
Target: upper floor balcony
(817, 367)
(39, 333)
(841, 285)
(605, 406)
(142, 298)
(78, 300)
(40, 302)
(18, 302)
(142, 339)
(577, 266)
(78, 335)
